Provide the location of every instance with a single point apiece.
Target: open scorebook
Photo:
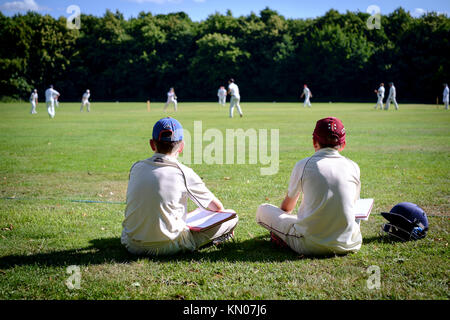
(201, 219)
(363, 207)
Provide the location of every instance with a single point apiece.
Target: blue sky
(200, 9)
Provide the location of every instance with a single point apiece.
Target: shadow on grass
(379, 239)
(110, 250)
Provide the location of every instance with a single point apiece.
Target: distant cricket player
(329, 185)
(235, 99)
(445, 96)
(34, 101)
(85, 101)
(222, 94)
(50, 93)
(157, 200)
(380, 95)
(308, 94)
(171, 98)
(391, 97)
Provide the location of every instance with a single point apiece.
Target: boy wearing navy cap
(157, 194)
(330, 185)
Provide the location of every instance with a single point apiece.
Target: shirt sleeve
(198, 192)
(295, 183)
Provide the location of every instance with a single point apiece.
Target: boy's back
(330, 185)
(157, 200)
(157, 194)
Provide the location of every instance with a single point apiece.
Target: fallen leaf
(136, 284)
(226, 178)
(9, 228)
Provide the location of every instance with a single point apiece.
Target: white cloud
(418, 12)
(199, 1)
(15, 6)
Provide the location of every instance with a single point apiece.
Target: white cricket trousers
(380, 102)
(51, 108)
(33, 107)
(234, 102)
(283, 225)
(307, 102)
(87, 104)
(388, 102)
(222, 100)
(446, 104)
(186, 241)
(175, 104)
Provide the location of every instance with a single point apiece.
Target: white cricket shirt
(330, 185)
(381, 91)
(234, 90)
(155, 214)
(50, 94)
(392, 92)
(85, 96)
(445, 94)
(33, 97)
(221, 93)
(170, 96)
(307, 92)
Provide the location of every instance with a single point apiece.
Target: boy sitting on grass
(157, 194)
(330, 185)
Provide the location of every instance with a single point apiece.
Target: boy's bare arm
(289, 203)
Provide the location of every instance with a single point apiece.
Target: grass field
(46, 165)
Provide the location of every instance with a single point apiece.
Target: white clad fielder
(85, 101)
(308, 94)
(34, 101)
(391, 97)
(445, 96)
(233, 90)
(171, 98)
(380, 95)
(50, 93)
(222, 94)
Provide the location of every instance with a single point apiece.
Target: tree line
(269, 56)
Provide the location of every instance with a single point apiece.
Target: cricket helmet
(407, 221)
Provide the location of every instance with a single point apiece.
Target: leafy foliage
(269, 56)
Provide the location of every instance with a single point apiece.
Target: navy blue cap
(167, 129)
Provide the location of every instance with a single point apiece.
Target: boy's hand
(216, 205)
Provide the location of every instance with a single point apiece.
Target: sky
(199, 10)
